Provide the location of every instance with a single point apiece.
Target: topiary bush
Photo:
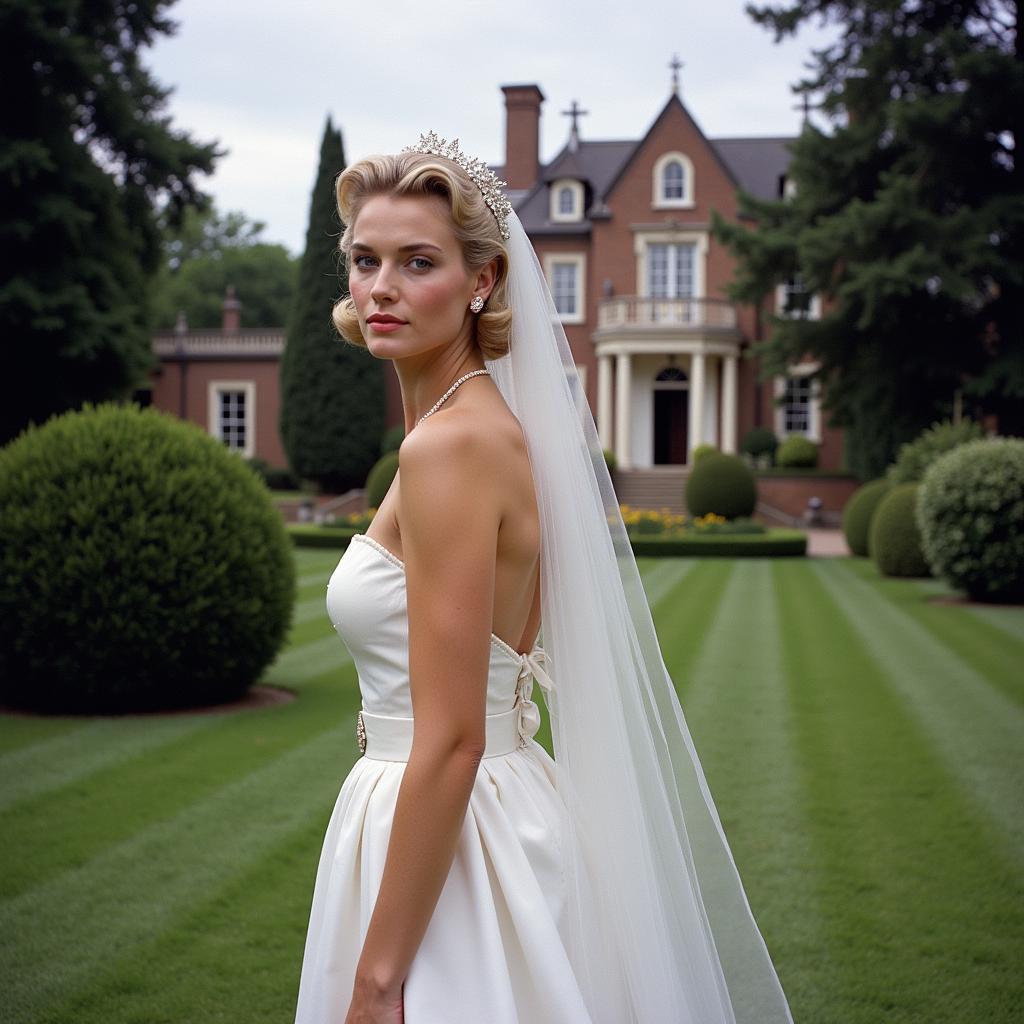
(609, 459)
(916, 456)
(797, 451)
(760, 444)
(722, 484)
(392, 439)
(895, 539)
(858, 513)
(380, 478)
(703, 449)
(970, 511)
(142, 566)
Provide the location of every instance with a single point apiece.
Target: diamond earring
(477, 304)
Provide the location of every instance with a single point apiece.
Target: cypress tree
(332, 393)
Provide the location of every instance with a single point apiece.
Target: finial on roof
(806, 106)
(676, 65)
(575, 112)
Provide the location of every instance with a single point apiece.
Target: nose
(383, 287)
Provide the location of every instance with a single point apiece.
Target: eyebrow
(402, 248)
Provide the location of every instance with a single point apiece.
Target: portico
(667, 378)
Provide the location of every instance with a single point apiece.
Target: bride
(466, 876)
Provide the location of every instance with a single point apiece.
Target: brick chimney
(522, 134)
(231, 319)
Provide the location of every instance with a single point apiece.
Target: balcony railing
(212, 344)
(640, 312)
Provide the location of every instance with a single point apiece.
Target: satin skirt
(493, 951)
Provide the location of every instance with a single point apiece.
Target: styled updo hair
(422, 174)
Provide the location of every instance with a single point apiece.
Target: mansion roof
(758, 165)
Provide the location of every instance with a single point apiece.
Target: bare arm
(449, 516)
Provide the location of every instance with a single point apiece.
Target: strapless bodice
(366, 603)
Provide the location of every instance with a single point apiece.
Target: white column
(697, 385)
(623, 387)
(604, 400)
(729, 394)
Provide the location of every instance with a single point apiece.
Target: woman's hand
(375, 1007)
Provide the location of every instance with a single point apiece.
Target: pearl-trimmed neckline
(395, 560)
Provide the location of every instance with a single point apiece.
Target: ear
(485, 279)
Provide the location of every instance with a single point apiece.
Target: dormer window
(566, 200)
(673, 182)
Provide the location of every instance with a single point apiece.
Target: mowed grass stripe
(70, 757)
(69, 825)
(738, 709)
(979, 731)
(994, 653)
(685, 616)
(236, 956)
(908, 873)
(663, 576)
(56, 937)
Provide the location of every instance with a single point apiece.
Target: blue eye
(357, 261)
(425, 263)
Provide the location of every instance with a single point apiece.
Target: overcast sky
(262, 77)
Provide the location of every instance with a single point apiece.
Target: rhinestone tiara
(484, 178)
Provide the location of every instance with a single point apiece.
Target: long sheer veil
(658, 927)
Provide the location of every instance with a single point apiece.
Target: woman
(466, 876)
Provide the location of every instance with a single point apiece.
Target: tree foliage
(332, 393)
(87, 156)
(908, 219)
(207, 252)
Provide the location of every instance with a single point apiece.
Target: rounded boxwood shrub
(895, 539)
(703, 449)
(760, 442)
(858, 513)
(971, 513)
(380, 478)
(722, 484)
(797, 451)
(142, 566)
(916, 456)
(609, 459)
(392, 439)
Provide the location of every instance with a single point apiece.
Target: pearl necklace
(448, 394)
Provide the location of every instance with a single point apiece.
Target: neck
(423, 383)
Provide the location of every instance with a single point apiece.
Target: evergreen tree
(907, 219)
(87, 155)
(332, 393)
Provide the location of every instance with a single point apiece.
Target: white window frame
(579, 261)
(700, 240)
(813, 408)
(813, 310)
(658, 200)
(215, 389)
(576, 187)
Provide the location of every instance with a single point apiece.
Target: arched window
(673, 181)
(566, 200)
(672, 374)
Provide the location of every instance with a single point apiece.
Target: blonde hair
(421, 174)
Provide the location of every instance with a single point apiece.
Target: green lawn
(863, 742)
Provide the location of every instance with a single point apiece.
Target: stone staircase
(655, 488)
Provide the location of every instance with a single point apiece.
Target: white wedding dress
(493, 952)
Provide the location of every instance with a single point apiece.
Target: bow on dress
(530, 668)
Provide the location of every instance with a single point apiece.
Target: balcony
(637, 313)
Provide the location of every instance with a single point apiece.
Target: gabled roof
(754, 164)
